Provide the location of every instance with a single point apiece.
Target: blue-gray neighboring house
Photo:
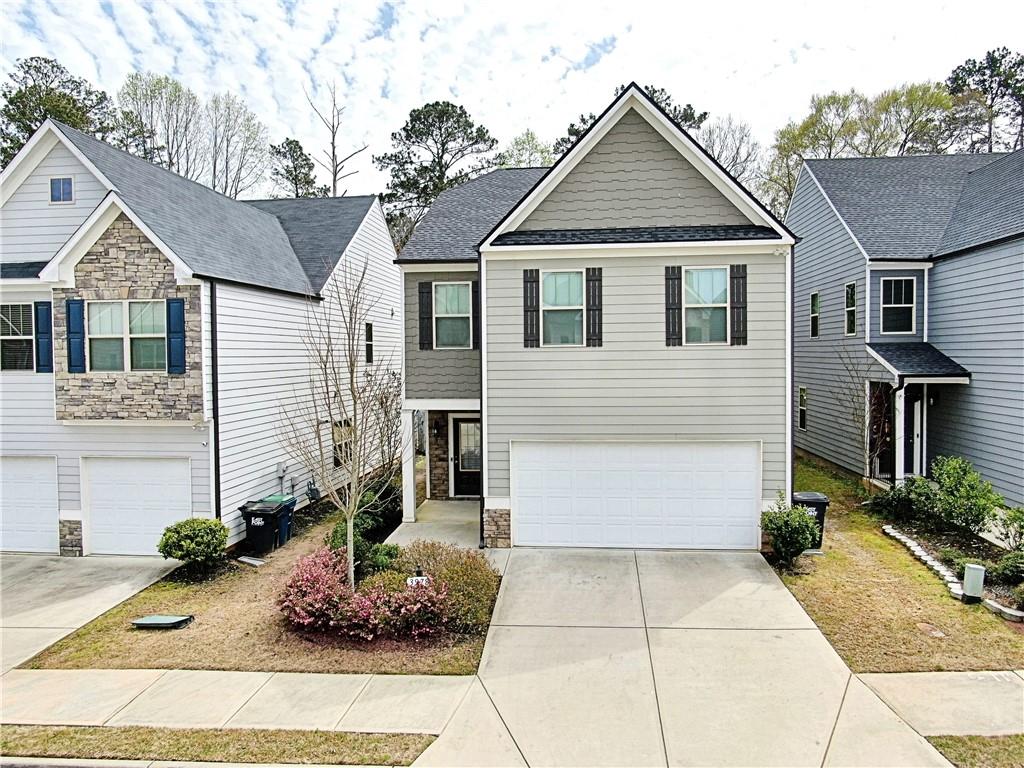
(908, 314)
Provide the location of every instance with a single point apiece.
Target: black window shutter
(476, 314)
(673, 306)
(44, 337)
(75, 309)
(531, 308)
(426, 315)
(738, 304)
(176, 336)
(594, 332)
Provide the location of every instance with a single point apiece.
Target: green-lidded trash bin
(818, 504)
(262, 521)
(286, 515)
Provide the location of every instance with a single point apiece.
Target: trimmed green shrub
(471, 581)
(200, 543)
(1009, 570)
(1009, 526)
(1018, 595)
(950, 556)
(338, 538)
(964, 499)
(958, 566)
(381, 557)
(913, 498)
(791, 530)
(389, 581)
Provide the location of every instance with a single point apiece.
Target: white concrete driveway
(43, 597)
(622, 658)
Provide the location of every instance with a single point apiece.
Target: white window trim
(31, 336)
(582, 307)
(727, 305)
(74, 191)
(126, 335)
(434, 315)
(847, 310)
(801, 408)
(882, 306)
(811, 314)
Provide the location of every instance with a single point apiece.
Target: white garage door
(28, 504)
(129, 502)
(671, 495)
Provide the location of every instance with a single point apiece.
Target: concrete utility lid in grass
(162, 622)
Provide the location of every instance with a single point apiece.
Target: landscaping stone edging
(953, 584)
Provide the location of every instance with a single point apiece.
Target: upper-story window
(16, 340)
(706, 305)
(62, 189)
(453, 315)
(815, 310)
(132, 331)
(899, 312)
(851, 309)
(562, 309)
(369, 342)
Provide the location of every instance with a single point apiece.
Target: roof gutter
(283, 291)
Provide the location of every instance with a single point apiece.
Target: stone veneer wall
(124, 264)
(70, 533)
(438, 422)
(497, 528)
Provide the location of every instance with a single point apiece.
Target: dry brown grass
(236, 746)
(878, 605)
(238, 627)
(982, 751)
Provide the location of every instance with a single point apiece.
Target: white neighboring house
(151, 330)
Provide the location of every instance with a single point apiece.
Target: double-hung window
(132, 331)
(16, 342)
(815, 313)
(802, 408)
(341, 437)
(62, 190)
(453, 315)
(561, 309)
(898, 308)
(369, 342)
(706, 305)
(851, 309)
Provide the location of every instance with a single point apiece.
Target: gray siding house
(151, 330)
(627, 314)
(908, 312)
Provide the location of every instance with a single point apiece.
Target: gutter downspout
(480, 343)
(215, 395)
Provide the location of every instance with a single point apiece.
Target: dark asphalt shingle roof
(991, 205)
(637, 235)
(220, 237)
(918, 358)
(462, 216)
(21, 269)
(897, 207)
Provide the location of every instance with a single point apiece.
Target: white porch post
(900, 443)
(408, 468)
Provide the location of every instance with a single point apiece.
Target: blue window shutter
(176, 336)
(44, 337)
(76, 335)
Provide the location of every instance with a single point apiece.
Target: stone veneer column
(497, 528)
(438, 468)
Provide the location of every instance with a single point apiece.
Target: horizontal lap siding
(33, 229)
(436, 373)
(634, 387)
(977, 318)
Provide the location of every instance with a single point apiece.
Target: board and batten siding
(633, 177)
(877, 275)
(832, 367)
(634, 386)
(28, 428)
(436, 373)
(263, 364)
(35, 229)
(976, 317)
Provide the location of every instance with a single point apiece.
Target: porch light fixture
(974, 582)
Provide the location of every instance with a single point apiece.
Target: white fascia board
(937, 379)
(835, 211)
(32, 153)
(723, 247)
(884, 363)
(61, 266)
(439, 266)
(908, 265)
(22, 283)
(453, 404)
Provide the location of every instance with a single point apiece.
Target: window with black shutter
(673, 306)
(738, 304)
(594, 307)
(426, 294)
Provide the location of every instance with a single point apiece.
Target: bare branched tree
(865, 410)
(173, 121)
(238, 145)
(344, 426)
(731, 142)
(331, 161)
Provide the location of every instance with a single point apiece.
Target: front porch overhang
(918, 362)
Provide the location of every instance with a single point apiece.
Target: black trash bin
(262, 520)
(285, 515)
(818, 504)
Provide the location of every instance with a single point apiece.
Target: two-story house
(150, 331)
(601, 347)
(909, 314)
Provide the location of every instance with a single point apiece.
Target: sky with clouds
(513, 65)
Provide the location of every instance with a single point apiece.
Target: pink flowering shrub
(317, 591)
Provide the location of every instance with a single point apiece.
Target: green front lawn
(981, 751)
(880, 608)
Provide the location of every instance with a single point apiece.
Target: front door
(466, 457)
(912, 423)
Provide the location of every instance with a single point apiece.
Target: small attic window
(62, 190)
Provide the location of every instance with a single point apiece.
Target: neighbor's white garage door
(672, 495)
(129, 502)
(28, 504)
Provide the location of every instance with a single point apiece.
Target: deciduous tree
(238, 145)
(330, 159)
(994, 85)
(525, 151)
(173, 122)
(731, 142)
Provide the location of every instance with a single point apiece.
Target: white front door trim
(451, 450)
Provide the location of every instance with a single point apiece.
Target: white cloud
(512, 65)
